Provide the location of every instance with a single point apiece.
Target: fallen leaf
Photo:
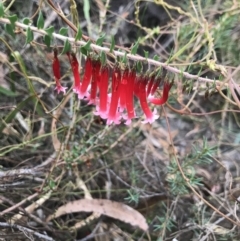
(107, 207)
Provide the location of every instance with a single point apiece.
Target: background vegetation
(181, 173)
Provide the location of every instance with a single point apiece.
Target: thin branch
(26, 230)
(13, 207)
(118, 53)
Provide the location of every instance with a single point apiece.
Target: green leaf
(47, 40)
(112, 44)
(124, 58)
(9, 30)
(13, 20)
(63, 31)
(29, 36)
(146, 54)
(66, 47)
(103, 58)
(27, 21)
(139, 67)
(1, 10)
(156, 58)
(83, 51)
(100, 40)
(52, 184)
(134, 48)
(40, 21)
(7, 92)
(79, 34)
(87, 45)
(50, 31)
(86, 48)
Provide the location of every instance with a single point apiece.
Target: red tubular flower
(150, 116)
(164, 98)
(76, 75)
(150, 85)
(57, 74)
(103, 95)
(136, 87)
(130, 97)
(113, 115)
(155, 85)
(94, 82)
(86, 78)
(123, 88)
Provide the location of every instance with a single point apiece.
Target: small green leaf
(47, 40)
(9, 30)
(146, 54)
(50, 31)
(13, 19)
(86, 48)
(134, 48)
(1, 10)
(87, 45)
(83, 51)
(124, 58)
(156, 58)
(40, 21)
(30, 36)
(66, 47)
(7, 92)
(103, 58)
(112, 44)
(27, 21)
(52, 184)
(139, 67)
(63, 31)
(100, 40)
(79, 34)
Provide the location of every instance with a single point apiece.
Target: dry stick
(117, 53)
(17, 205)
(188, 182)
(26, 230)
(32, 207)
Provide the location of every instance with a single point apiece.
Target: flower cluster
(125, 85)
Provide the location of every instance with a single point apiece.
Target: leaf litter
(106, 207)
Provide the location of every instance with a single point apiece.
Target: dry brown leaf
(107, 207)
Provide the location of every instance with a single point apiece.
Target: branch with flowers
(116, 53)
(119, 85)
(116, 102)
